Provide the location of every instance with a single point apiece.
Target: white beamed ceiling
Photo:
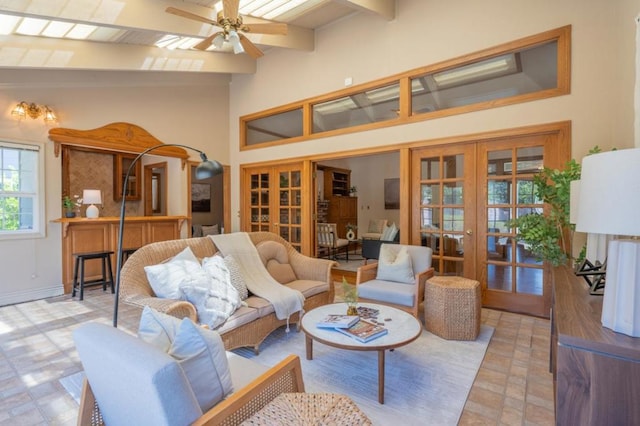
(129, 29)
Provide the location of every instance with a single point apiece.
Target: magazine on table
(338, 321)
(364, 330)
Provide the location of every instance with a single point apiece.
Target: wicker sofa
(249, 325)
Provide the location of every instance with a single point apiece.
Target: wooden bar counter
(596, 371)
(86, 235)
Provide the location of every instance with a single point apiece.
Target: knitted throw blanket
(285, 300)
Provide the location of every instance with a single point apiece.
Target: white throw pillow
(389, 233)
(199, 351)
(201, 354)
(157, 328)
(210, 230)
(385, 233)
(394, 264)
(183, 269)
(216, 300)
(214, 306)
(237, 280)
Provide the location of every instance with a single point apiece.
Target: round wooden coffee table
(403, 328)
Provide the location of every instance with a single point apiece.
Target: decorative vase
(351, 235)
(352, 308)
(69, 214)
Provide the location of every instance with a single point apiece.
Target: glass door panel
(259, 201)
(442, 197)
(512, 278)
(290, 206)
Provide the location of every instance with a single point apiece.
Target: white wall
(187, 109)
(366, 47)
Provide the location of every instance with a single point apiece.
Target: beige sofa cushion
(309, 287)
(241, 316)
(275, 258)
(261, 305)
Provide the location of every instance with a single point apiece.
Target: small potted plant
(353, 191)
(70, 205)
(350, 297)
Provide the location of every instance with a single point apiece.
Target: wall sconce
(34, 111)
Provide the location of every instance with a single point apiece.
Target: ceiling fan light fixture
(234, 39)
(218, 41)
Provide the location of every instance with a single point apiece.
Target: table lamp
(92, 197)
(609, 203)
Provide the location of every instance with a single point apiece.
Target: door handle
(469, 232)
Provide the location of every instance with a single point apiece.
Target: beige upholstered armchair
(129, 381)
(398, 278)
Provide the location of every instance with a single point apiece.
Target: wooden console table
(87, 235)
(596, 371)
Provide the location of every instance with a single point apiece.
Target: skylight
(266, 9)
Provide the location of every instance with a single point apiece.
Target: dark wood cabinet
(121, 164)
(596, 371)
(343, 211)
(337, 182)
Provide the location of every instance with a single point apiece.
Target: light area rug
(426, 382)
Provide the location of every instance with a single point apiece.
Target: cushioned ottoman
(452, 307)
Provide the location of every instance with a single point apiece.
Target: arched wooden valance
(121, 137)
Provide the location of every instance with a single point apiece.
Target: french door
(275, 201)
(463, 196)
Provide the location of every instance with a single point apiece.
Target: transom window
(524, 70)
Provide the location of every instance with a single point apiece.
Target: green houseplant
(70, 205)
(546, 234)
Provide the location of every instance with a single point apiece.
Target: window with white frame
(21, 190)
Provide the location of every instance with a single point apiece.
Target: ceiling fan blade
(204, 44)
(268, 28)
(189, 15)
(230, 8)
(250, 48)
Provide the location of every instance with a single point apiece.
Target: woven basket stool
(452, 307)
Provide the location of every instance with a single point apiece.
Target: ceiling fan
(230, 21)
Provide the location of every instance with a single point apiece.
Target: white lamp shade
(91, 196)
(609, 196)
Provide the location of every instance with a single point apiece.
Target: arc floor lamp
(204, 170)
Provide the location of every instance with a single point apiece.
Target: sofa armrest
(176, 308)
(286, 376)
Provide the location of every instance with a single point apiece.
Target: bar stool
(81, 258)
(126, 253)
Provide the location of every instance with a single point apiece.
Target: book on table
(338, 321)
(364, 330)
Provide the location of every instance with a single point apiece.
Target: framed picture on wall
(392, 193)
(200, 197)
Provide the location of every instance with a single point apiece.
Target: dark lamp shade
(208, 169)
